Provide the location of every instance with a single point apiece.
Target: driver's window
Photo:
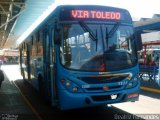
(124, 41)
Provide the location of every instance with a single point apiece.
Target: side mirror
(138, 40)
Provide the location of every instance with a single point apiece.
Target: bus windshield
(97, 47)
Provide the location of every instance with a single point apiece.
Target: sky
(137, 8)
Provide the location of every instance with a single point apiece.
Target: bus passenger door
(52, 67)
(49, 66)
(46, 59)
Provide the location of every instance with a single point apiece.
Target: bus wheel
(41, 86)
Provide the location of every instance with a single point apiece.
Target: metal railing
(150, 76)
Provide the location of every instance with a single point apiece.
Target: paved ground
(12, 104)
(145, 105)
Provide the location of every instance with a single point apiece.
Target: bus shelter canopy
(27, 16)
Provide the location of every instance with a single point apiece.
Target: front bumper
(68, 100)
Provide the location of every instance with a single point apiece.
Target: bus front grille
(103, 79)
(101, 88)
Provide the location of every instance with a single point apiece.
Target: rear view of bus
(97, 60)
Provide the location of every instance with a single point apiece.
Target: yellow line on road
(29, 104)
(150, 89)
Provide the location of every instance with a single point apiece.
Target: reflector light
(132, 95)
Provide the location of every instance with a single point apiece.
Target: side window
(33, 50)
(123, 40)
(40, 44)
(46, 46)
(24, 55)
(40, 48)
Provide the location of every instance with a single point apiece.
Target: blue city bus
(82, 56)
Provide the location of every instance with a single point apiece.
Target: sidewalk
(12, 104)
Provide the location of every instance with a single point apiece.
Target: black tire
(1, 75)
(42, 90)
(41, 86)
(0, 83)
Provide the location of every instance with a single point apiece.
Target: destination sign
(92, 14)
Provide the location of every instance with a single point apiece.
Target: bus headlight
(75, 89)
(133, 82)
(68, 84)
(71, 86)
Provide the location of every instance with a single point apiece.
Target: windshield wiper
(87, 29)
(113, 30)
(106, 38)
